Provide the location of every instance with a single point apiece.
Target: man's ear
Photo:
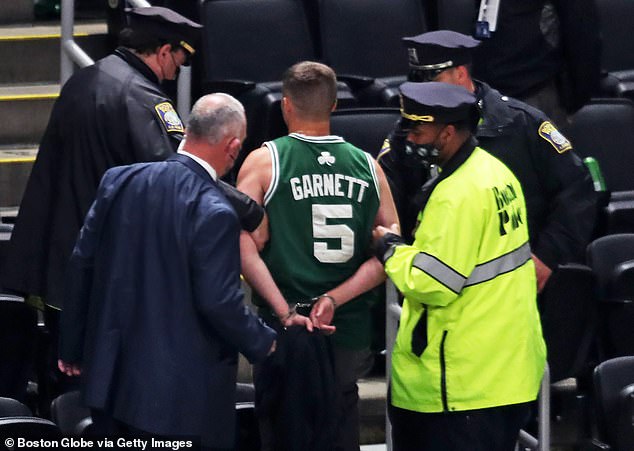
(286, 104)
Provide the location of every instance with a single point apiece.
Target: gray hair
(215, 116)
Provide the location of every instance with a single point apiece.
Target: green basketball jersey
(321, 203)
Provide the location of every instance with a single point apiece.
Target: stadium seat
(616, 18)
(568, 314)
(28, 428)
(361, 40)
(247, 46)
(10, 407)
(614, 397)
(457, 15)
(366, 128)
(604, 129)
(17, 334)
(611, 258)
(70, 415)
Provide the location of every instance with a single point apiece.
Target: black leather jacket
(559, 194)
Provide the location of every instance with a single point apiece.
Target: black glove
(385, 244)
(248, 210)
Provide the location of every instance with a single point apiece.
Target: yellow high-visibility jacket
(470, 335)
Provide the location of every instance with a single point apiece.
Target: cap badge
(413, 56)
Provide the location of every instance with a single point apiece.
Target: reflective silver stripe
(501, 265)
(439, 271)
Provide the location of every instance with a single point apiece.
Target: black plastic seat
(611, 258)
(68, 412)
(604, 129)
(614, 396)
(366, 128)
(10, 407)
(361, 40)
(457, 15)
(28, 427)
(616, 18)
(247, 46)
(568, 310)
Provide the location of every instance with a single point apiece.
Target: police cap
(439, 50)
(165, 24)
(435, 102)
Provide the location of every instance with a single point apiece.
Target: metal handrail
(71, 53)
(392, 315)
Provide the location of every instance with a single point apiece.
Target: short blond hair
(312, 88)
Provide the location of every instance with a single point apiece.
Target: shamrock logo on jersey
(326, 158)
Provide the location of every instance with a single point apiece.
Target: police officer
(469, 353)
(560, 200)
(109, 114)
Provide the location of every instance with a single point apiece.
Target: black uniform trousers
(492, 429)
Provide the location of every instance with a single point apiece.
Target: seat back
(69, 413)
(604, 129)
(364, 37)
(457, 15)
(605, 253)
(254, 40)
(29, 427)
(568, 313)
(613, 402)
(366, 128)
(607, 256)
(10, 407)
(616, 18)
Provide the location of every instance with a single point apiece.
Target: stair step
(24, 112)
(31, 54)
(15, 167)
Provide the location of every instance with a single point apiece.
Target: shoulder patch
(385, 149)
(169, 117)
(550, 133)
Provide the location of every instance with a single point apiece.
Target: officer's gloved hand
(248, 210)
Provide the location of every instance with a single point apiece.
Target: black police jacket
(560, 198)
(109, 114)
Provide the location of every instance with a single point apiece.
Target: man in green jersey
(323, 196)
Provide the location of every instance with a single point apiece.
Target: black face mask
(426, 154)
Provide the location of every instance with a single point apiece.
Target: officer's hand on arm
(542, 271)
(69, 369)
(248, 210)
(380, 231)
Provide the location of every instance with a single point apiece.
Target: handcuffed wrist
(292, 311)
(326, 295)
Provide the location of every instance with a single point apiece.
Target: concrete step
(15, 167)
(16, 11)
(24, 112)
(31, 53)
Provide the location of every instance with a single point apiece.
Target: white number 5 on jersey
(322, 212)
